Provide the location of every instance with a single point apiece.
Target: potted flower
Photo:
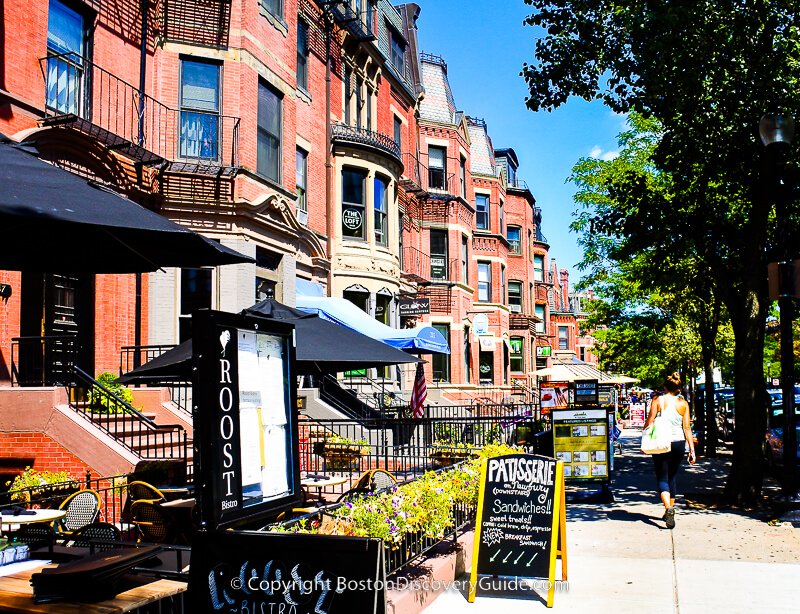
(48, 488)
(341, 452)
(447, 448)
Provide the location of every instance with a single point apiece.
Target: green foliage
(31, 478)
(101, 403)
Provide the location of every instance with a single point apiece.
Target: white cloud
(610, 155)
(598, 153)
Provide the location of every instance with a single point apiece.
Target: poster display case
(581, 443)
(246, 439)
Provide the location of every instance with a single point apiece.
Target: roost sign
(520, 528)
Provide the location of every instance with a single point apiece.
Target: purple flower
(349, 505)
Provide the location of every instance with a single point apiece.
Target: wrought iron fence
(362, 136)
(123, 422)
(133, 356)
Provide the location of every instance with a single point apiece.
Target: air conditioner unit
(302, 217)
(515, 308)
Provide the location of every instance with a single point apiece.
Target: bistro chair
(82, 507)
(35, 535)
(142, 491)
(101, 531)
(154, 523)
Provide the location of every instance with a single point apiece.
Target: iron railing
(43, 361)
(517, 183)
(442, 182)
(345, 16)
(89, 98)
(433, 59)
(125, 423)
(345, 400)
(342, 133)
(414, 172)
(133, 356)
(416, 263)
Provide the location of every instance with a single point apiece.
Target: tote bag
(656, 437)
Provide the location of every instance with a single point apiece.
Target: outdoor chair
(142, 491)
(82, 507)
(35, 535)
(155, 524)
(101, 531)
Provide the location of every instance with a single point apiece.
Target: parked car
(726, 417)
(773, 442)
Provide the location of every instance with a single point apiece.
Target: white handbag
(656, 437)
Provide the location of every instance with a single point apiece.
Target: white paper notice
(275, 475)
(251, 449)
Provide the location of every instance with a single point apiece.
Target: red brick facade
(47, 454)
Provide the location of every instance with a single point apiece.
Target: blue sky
(485, 45)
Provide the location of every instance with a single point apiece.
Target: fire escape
(183, 155)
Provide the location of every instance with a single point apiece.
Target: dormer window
(398, 46)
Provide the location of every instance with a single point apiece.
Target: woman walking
(676, 411)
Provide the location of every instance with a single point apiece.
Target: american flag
(419, 394)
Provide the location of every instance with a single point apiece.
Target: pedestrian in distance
(676, 411)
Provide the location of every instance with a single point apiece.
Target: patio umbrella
(55, 221)
(621, 379)
(322, 346)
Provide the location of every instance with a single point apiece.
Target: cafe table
(321, 482)
(40, 515)
(16, 595)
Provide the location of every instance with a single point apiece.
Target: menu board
(637, 415)
(581, 442)
(274, 573)
(245, 433)
(553, 395)
(520, 518)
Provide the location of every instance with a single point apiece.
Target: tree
(706, 70)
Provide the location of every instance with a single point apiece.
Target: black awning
(55, 221)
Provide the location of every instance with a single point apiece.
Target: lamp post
(776, 133)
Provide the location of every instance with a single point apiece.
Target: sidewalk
(623, 560)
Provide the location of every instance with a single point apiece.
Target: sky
(485, 45)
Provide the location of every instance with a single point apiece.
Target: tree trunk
(747, 311)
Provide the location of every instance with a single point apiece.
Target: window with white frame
(381, 205)
(515, 296)
(517, 356)
(538, 268)
(270, 112)
(538, 311)
(437, 168)
(485, 282)
(353, 203)
(65, 66)
(200, 103)
(514, 244)
(302, 185)
(482, 211)
(563, 337)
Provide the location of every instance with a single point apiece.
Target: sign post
(520, 528)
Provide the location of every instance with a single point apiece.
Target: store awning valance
(420, 340)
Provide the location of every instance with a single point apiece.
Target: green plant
(101, 403)
(339, 439)
(30, 480)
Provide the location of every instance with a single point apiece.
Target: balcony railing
(416, 264)
(342, 133)
(92, 100)
(414, 173)
(440, 181)
(344, 16)
(517, 183)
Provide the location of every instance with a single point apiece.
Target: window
(541, 363)
(467, 357)
(514, 244)
(199, 136)
(462, 177)
(195, 294)
(582, 353)
(265, 288)
(501, 215)
(482, 211)
(438, 254)
(348, 93)
(302, 54)
(515, 296)
(502, 284)
(437, 157)
(269, 132)
(441, 362)
(398, 132)
(381, 204)
(301, 180)
(369, 108)
(538, 311)
(512, 175)
(353, 207)
(464, 260)
(65, 35)
(382, 302)
(484, 282)
(359, 298)
(530, 246)
(538, 268)
(517, 355)
(359, 100)
(563, 338)
(274, 6)
(486, 367)
(400, 239)
(398, 51)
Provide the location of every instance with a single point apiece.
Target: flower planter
(51, 496)
(442, 456)
(340, 455)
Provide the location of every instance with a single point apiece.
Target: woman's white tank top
(670, 412)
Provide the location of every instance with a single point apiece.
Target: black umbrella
(53, 220)
(322, 346)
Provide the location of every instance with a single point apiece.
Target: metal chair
(35, 535)
(154, 523)
(101, 531)
(142, 491)
(82, 507)
(369, 482)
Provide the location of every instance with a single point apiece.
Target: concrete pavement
(622, 558)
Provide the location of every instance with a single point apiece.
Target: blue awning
(423, 339)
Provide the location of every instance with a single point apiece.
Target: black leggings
(666, 466)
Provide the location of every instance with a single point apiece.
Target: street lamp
(776, 132)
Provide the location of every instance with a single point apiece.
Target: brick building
(314, 137)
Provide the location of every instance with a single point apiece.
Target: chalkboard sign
(245, 437)
(252, 571)
(519, 528)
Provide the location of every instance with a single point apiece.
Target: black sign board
(413, 306)
(247, 571)
(520, 519)
(586, 392)
(246, 440)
